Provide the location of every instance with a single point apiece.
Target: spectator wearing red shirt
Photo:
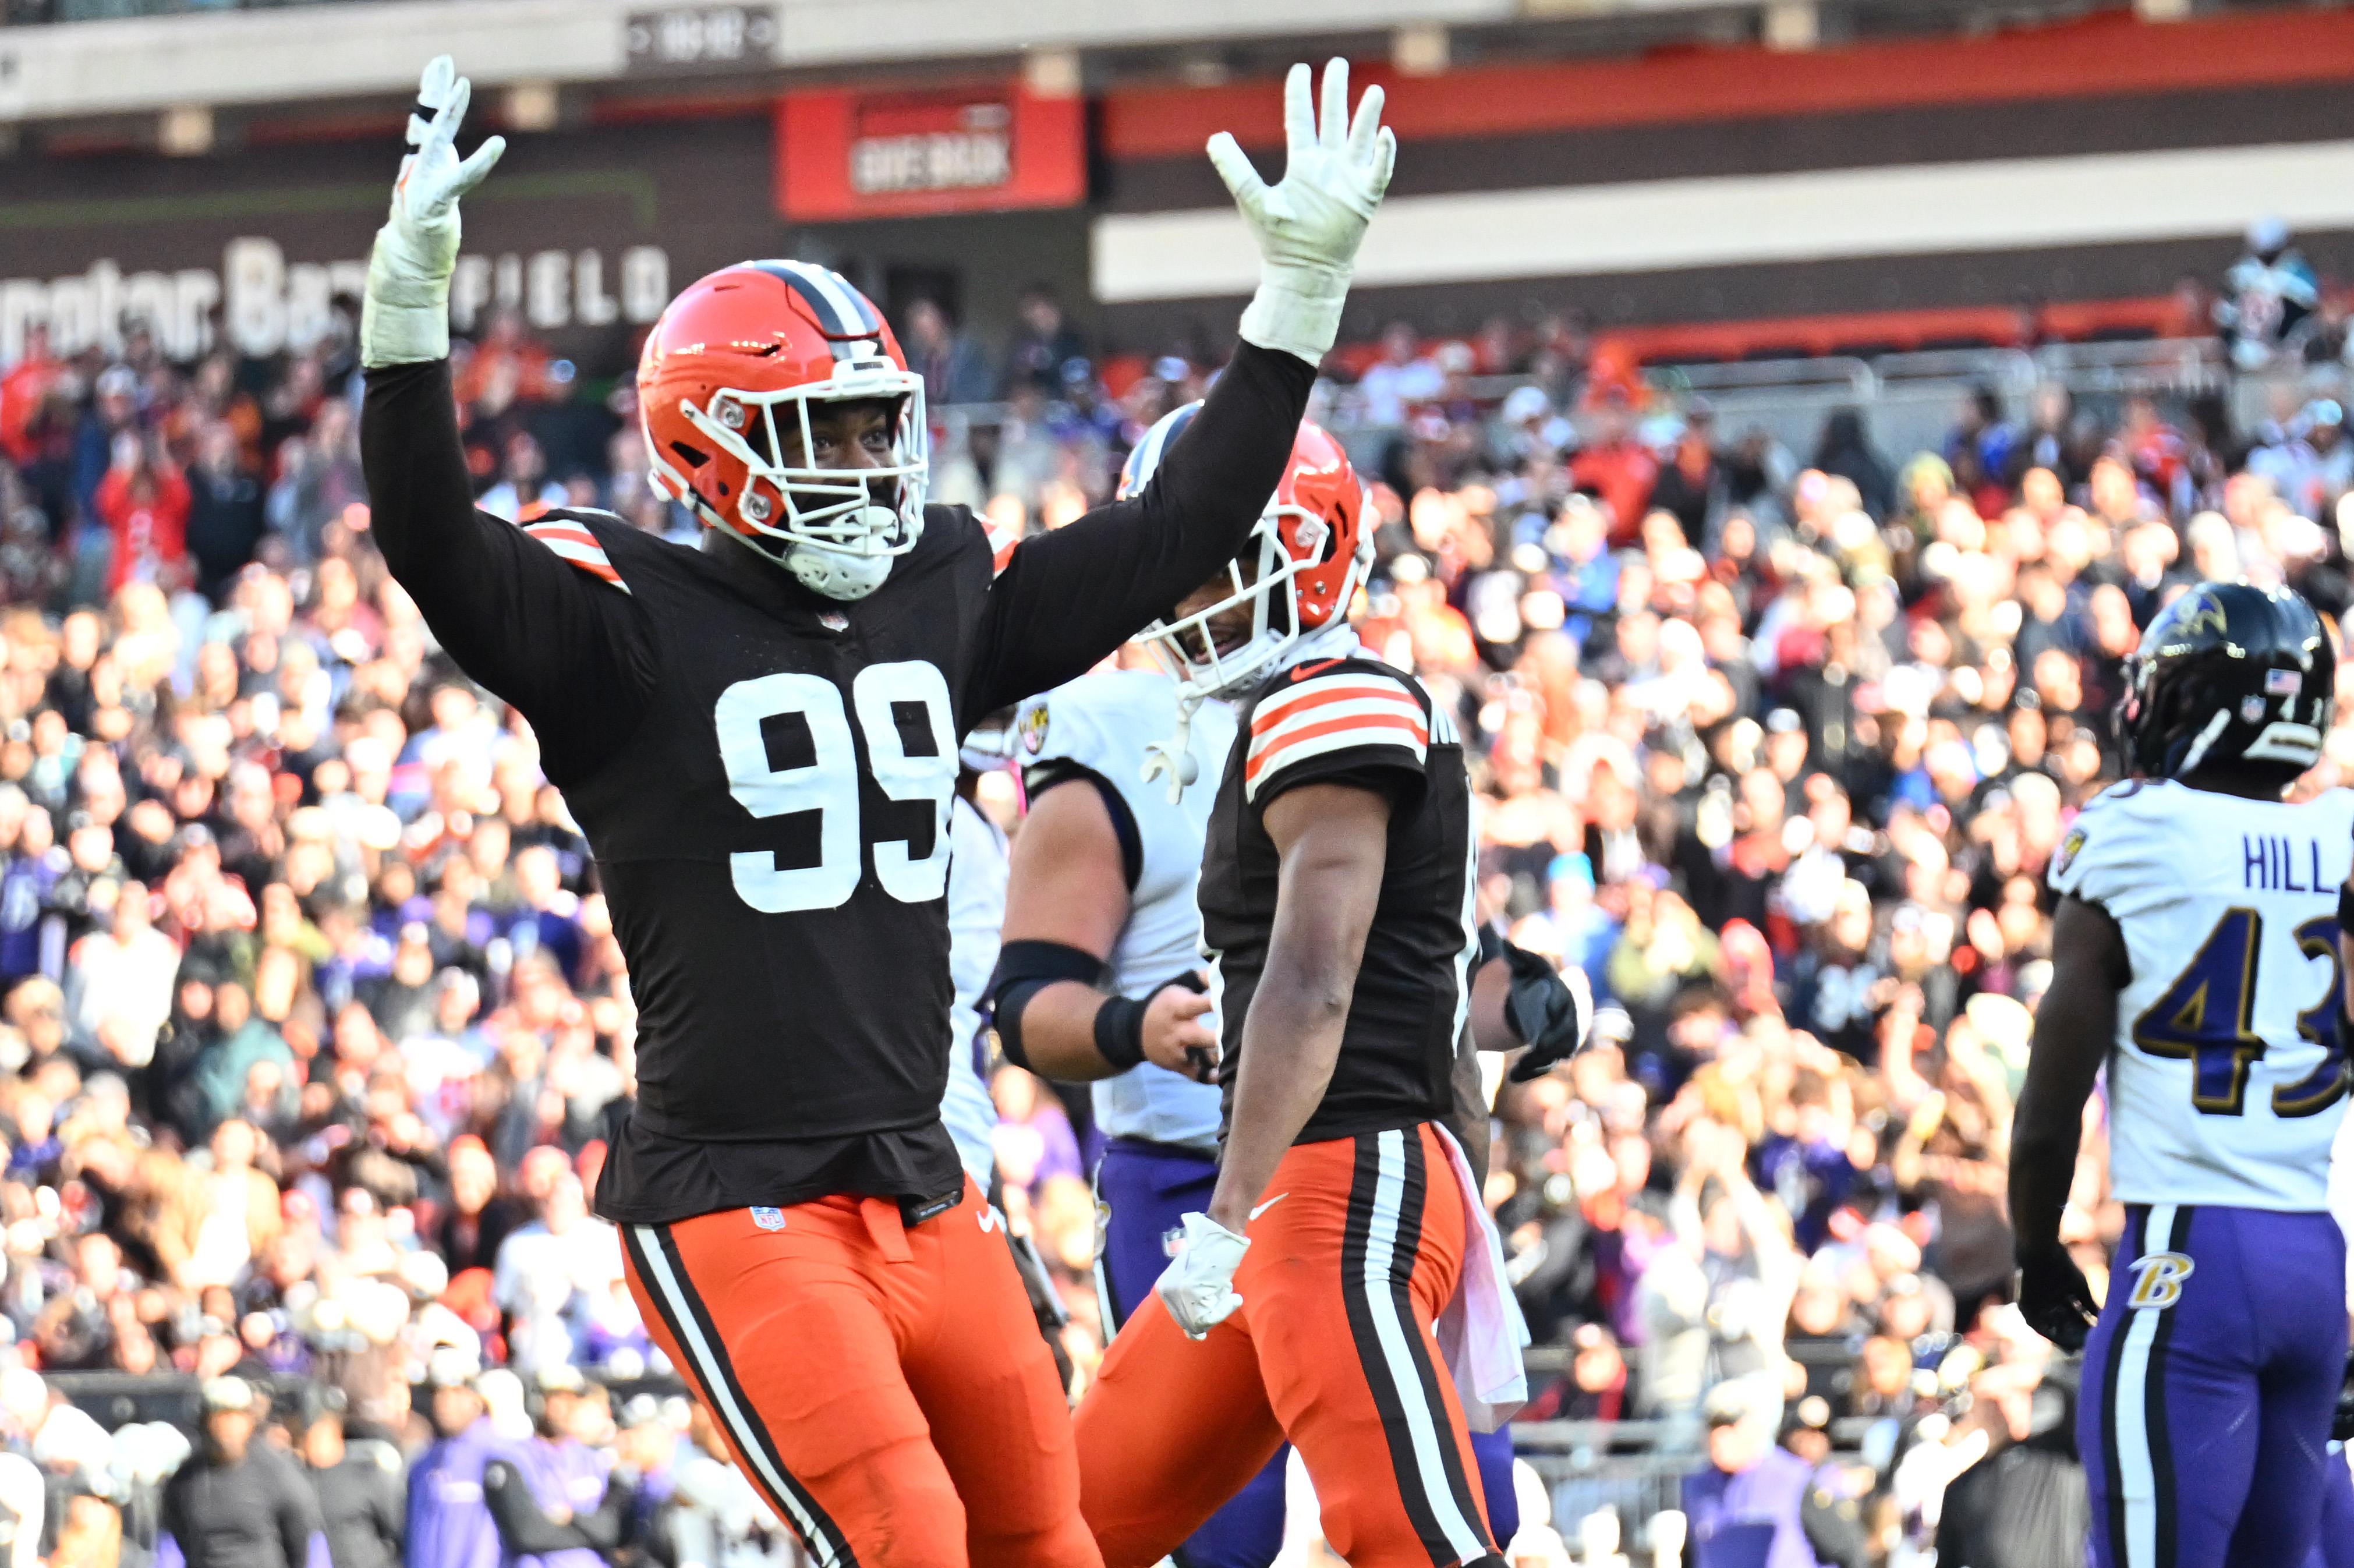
(144, 502)
(22, 392)
(1619, 469)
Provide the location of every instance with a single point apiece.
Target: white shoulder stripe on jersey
(1318, 687)
(1385, 716)
(1340, 740)
(1329, 714)
(571, 541)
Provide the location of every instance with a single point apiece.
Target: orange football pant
(1354, 1252)
(885, 1386)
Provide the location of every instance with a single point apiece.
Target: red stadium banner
(847, 154)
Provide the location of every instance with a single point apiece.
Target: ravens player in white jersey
(1100, 975)
(759, 739)
(2197, 955)
(977, 869)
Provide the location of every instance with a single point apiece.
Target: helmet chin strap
(839, 574)
(835, 574)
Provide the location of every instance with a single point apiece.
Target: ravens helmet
(2229, 675)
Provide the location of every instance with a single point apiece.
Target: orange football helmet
(731, 351)
(1313, 548)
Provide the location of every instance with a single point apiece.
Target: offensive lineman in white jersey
(1101, 962)
(2196, 952)
(1101, 893)
(976, 913)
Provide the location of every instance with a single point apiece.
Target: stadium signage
(683, 38)
(978, 155)
(263, 303)
(845, 154)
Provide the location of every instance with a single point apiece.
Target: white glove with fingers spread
(1308, 226)
(1198, 1285)
(405, 318)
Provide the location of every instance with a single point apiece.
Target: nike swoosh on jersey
(575, 544)
(1270, 1203)
(1331, 713)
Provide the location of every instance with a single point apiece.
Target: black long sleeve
(388, 1509)
(524, 1526)
(608, 1529)
(1069, 598)
(297, 1511)
(572, 651)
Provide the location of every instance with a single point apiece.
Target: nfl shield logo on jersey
(768, 1219)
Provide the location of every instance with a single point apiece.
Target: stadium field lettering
(265, 304)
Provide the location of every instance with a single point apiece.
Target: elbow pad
(1023, 970)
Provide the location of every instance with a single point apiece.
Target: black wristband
(1119, 1029)
(2346, 909)
(1025, 968)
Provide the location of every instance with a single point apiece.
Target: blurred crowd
(313, 1027)
(1776, 745)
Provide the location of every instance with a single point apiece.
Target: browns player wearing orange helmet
(1337, 899)
(760, 739)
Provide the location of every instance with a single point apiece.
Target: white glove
(1198, 1285)
(405, 318)
(1308, 227)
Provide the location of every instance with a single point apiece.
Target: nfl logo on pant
(768, 1219)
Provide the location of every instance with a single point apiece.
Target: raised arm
(1068, 599)
(2074, 1028)
(568, 648)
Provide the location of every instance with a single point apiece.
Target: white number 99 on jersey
(895, 704)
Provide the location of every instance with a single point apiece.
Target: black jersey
(765, 776)
(1354, 721)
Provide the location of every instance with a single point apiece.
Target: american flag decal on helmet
(574, 542)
